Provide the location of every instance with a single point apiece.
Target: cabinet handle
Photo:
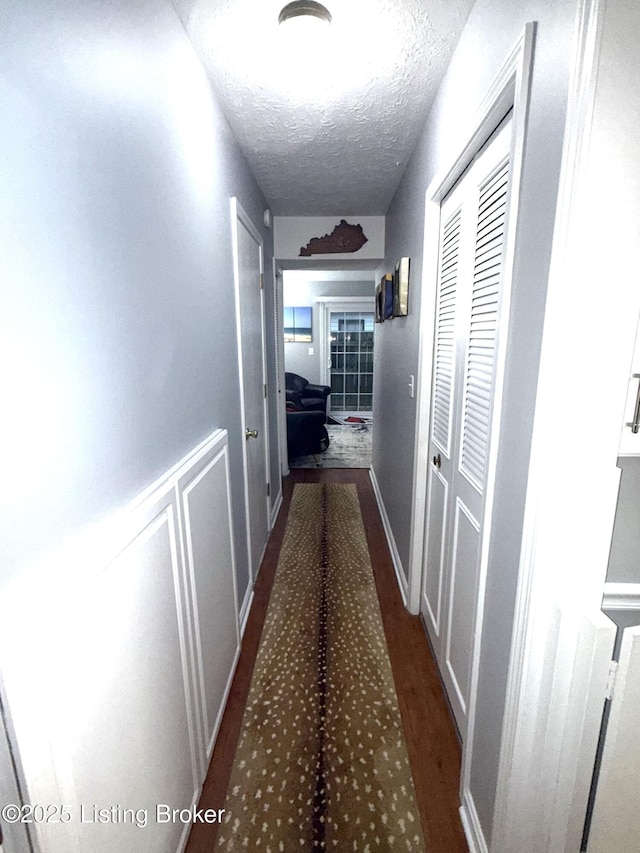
(635, 425)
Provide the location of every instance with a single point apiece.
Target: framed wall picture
(401, 288)
(379, 303)
(387, 301)
(298, 324)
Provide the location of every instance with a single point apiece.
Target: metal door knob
(437, 460)
(251, 433)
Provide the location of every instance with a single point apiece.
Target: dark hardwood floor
(432, 743)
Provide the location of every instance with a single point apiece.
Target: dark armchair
(306, 434)
(305, 396)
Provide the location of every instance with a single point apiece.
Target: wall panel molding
(117, 654)
(204, 496)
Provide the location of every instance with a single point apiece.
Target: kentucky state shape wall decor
(344, 238)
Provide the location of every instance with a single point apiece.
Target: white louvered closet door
(473, 219)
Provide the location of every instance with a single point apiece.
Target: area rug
(321, 763)
(349, 447)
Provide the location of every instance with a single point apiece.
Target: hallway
(432, 744)
(135, 508)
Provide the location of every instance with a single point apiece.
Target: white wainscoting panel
(208, 541)
(434, 555)
(461, 617)
(116, 655)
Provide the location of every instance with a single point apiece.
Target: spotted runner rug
(321, 762)
(349, 447)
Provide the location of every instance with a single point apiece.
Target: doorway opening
(328, 342)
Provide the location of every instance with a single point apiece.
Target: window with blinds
(483, 323)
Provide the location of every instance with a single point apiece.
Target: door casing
(240, 219)
(558, 674)
(278, 320)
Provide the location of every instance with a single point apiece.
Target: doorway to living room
(328, 340)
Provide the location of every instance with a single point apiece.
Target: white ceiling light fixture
(305, 8)
(304, 30)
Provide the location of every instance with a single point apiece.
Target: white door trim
(281, 403)
(509, 91)
(513, 749)
(239, 214)
(549, 734)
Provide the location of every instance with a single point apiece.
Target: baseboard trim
(621, 596)
(395, 556)
(275, 509)
(223, 704)
(245, 610)
(184, 835)
(471, 825)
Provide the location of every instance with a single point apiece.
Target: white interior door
(473, 222)
(250, 306)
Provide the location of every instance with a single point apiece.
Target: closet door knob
(251, 433)
(437, 460)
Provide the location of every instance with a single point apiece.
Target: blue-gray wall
(117, 296)
(491, 31)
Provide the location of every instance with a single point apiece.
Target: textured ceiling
(327, 120)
